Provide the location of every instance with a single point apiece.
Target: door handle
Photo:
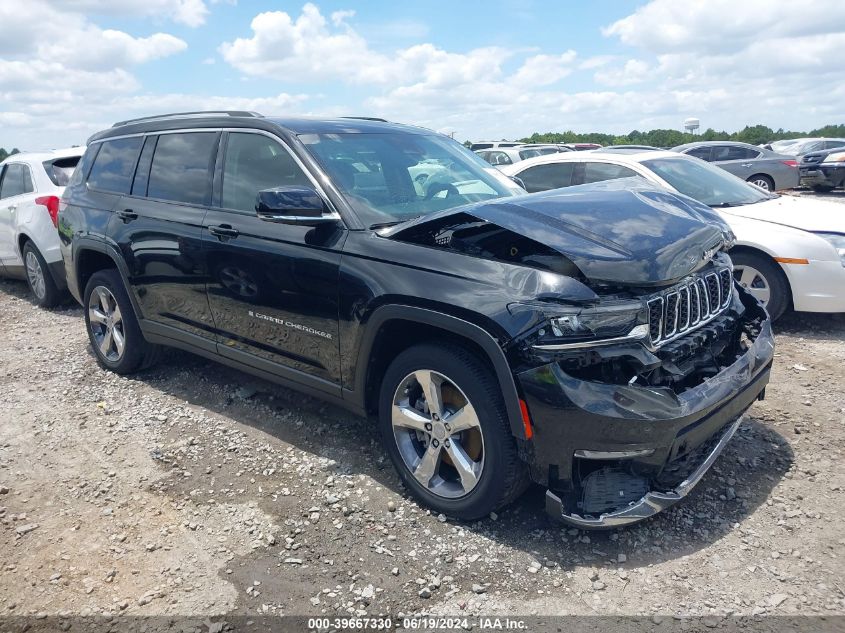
(223, 231)
(127, 215)
(13, 208)
(747, 164)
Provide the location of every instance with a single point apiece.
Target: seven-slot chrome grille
(688, 305)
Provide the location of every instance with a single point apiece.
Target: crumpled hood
(807, 214)
(620, 232)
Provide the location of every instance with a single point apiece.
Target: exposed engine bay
(468, 235)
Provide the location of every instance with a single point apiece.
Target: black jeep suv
(589, 339)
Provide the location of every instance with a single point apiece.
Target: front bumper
(829, 175)
(637, 449)
(651, 503)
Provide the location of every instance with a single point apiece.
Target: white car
(790, 251)
(31, 186)
(501, 156)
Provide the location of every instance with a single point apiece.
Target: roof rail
(198, 114)
(366, 118)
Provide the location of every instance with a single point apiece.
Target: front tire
(38, 277)
(764, 280)
(113, 330)
(443, 422)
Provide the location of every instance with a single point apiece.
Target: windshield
(704, 182)
(392, 177)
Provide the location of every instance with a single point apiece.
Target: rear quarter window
(61, 170)
(114, 165)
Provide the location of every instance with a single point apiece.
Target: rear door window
(700, 152)
(545, 177)
(596, 172)
(115, 164)
(182, 167)
(731, 152)
(16, 181)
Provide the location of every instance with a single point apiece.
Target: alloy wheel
(438, 434)
(762, 183)
(35, 274)
(753, 280)
(106, 323)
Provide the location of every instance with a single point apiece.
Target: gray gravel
(195, 489)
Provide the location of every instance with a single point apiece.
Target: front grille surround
(688, 305)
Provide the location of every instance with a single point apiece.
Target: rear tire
(479, 438)
(764, 279)
(763, 181)
(113, 330)
(39, 279)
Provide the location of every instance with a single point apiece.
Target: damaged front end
(634, 351)
(628, 416)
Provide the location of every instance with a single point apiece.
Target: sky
(491, 69)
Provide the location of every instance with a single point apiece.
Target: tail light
(52, 204)
(790, 163)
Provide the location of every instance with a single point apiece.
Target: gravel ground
(195, 489)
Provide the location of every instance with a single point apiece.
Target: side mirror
(293, 205)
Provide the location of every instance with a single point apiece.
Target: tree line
(4, 154)
(754, 134)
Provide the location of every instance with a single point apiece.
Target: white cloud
(544, 70)
(723, 26)
(729, 64)
(634, 71)
(188, 12)
(45, 33)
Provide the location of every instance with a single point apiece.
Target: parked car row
(789, 252)
(593, 337)
(772, 167)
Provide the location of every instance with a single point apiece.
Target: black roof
(290, 124)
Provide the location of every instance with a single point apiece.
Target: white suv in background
(31, 186)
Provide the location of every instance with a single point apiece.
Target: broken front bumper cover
(650, 504)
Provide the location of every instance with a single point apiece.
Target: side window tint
(13, 181)
(139, 185)
(731, 152)
(181, 169)
(596, 172)
(84, 165)
(499, 158)
(28, 187)
(114, 165)
(545, 177)
(700, 152)
(255, 162)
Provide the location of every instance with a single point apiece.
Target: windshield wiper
(384, 225)
(725, 205)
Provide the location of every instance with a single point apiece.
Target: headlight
(574, 327)
(836, 240)
(836, 157)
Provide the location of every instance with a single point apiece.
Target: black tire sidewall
(779, 297)
(470, 375)
(51, 293)
(135, 345)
